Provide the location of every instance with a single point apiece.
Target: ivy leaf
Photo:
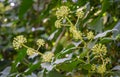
(47, 66)
(25, 5)
(104, 33)
(58, 61)
(34, 66)
(117, 27)
(5, 72)
(54, 74)
(19, 58)
(106, 40)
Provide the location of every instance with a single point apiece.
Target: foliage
(64, 38)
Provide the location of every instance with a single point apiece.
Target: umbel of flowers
(98, 50)
(19, 42)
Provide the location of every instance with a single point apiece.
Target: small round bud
(40, 42)
(47, 56)
(101, 69)
(79, 13)
(90, 35)
(58, 24)
(93, 67)
(76, 34)
(30, 51)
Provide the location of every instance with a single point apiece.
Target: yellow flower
(99, 49)
(30, 51)
(90, 35)
(79, 13)
(76, 34)
(62, 11)
(72, 29)
(40, 42)
(58, 24)
(18, 41)
(47, 56)
(101, 69)
(93, 67)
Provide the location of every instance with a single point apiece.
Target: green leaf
(58, 61)
(97, 24)
(33, 67)
(117, 27)
(67, 51)
(47, 66)
(86, 66)
(25, 5)
(105, 5)
(104, 33)
(19, 58)
(106, 40)
(83, 54)
(54, 74)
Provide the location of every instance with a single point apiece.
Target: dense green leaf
(33, 67)
(21, 55)
(54, 74)
(25, 5)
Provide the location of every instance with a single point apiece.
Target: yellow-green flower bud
(93, 67)
(62, 12)
(30, 51)
(40, 42)
(58, 24)
(47, 56)
(90, 35)
(99, 49)
(79, 13)
(101, 69)
(76, 34)
(18, 41)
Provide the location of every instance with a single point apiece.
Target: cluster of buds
(40, 42)
(90, 35)
(99, 49)
(47, 56)
(79, 13)
(62, 12)
(101, 69)
(19, 41)
(76, 34)
(58, 23)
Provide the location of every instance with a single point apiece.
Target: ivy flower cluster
(79, 13)
(40, 42)
(101, 68)
(76, 34)
(19, 41)
(62, 12)
(90, 35)
(31, 52)
(58, 23)
(99, 49)
(47, 56)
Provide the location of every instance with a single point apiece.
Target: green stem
(69, 21)
(35, 50)
(102, 75)
(77, 21)
(58, 39)
(25, 46)
(38, 48)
